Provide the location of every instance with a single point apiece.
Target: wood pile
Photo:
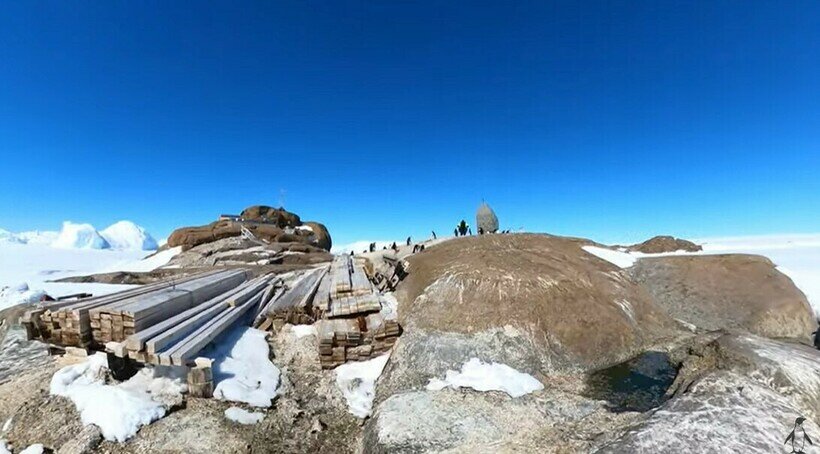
(115, 321)
(179, 339)
(295, 305)
(355, 339)
(345, 306)
(167, 323)
(68, 323)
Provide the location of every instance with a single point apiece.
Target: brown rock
(278, 216)
(665, 243)
(321, 235)
(732, 291)
(576, 310)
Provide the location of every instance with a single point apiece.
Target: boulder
(268, 224)
(535, 302)
(321, 235)
(485, 219)
(733, 291)
(747, 403)
(277, 216)
(661, 244)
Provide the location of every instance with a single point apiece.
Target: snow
(481, 376)
(303, 330)
(33, 449)
(149, 263)
(118, 410)
(359, 246)
(127, 235)
(357, 382)
(796, 256)
(6, 426)
(241, 416)
(79, 236)
(242, 368)
(8, 237)
(28, 267)
(4, 449)
(617, 258)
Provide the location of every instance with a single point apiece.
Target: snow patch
(4, 448)
(619, 259)
(245, 417)
(79, 236)
(488, 377)
(118, 410)
(33, 449)
(126, 235)
(357, 382)
(19, 294)
(242, 368)
(303, 330)
(149, 263)
(358, 246)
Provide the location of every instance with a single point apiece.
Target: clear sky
(610, 120)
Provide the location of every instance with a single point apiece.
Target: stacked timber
(355, 339)
(115, 321)
(396, 270)
(68, 323)
(179, 339)
(295, 305)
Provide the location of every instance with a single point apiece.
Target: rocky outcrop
(661, 244)
(733, 291)
(267, 224)
(276, 216)
(535, 302)
(748, 402)
(485, 219)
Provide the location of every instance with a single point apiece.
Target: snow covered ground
(482, 376)
(29, 260)
(357, 382)
(119, 410)
(797, 256)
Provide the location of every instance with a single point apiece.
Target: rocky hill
(270, 225)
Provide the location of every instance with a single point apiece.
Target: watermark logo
(798, 432)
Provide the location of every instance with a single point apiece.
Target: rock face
(660, 244)
(276, 216)
(534, 302)
(485, 219)
(268, 224)
(734, 291)
(748, 403)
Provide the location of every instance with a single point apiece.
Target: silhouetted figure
(480, 231)
(434, 234)
(394, 247)
(455, 231)
(463, 227)
(416, 248)
(351, 252)
(471, 231)
(817, 339)
(372, 247)
(408, 241)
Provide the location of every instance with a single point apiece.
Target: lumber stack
(117, 320)
(347, 339)
(295, 306)
(179, 339)
(68, 323)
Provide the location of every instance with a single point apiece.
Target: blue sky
(609, 120)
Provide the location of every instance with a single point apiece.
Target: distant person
(480, 231)
(408, 241)
(434, 234)
(463, 227)
(471, 231)
(455, 231)
(394, 247)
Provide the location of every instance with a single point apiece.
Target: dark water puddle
(639, 384)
